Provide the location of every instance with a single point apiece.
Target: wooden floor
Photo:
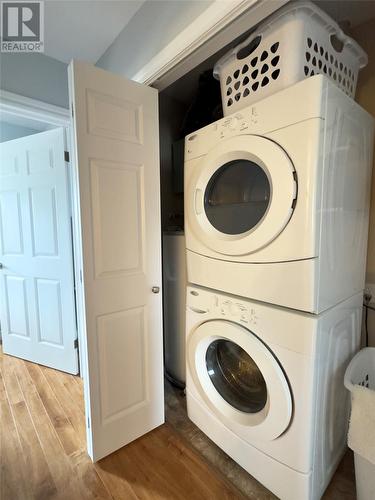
(43, 449)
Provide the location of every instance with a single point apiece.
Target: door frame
(23, 107)
(216, 27)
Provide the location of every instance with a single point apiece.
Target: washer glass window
(237, 196)
(236, 376)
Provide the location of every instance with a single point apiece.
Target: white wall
(155, 24)
(36, 76)
(9, 131)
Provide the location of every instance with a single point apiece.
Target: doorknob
(155, 289)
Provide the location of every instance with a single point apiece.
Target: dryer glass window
(236, 376)
(237, 197)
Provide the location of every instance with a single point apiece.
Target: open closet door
(37, 312)
(117, 159)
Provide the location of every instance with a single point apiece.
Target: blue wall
(35, 75)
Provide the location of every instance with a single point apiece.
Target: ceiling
(84, 29)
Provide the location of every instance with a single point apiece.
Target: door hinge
(67, 156)
(80, 275)
(88, 422)
(75, 344)
(72, 111)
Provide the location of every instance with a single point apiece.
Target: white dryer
(266, 385)
(277, 198)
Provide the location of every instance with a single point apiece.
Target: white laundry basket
(361, 371)
(298, 41)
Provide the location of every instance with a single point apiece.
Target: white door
(117, 158)
(37, 286)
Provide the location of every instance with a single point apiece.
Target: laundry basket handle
(339, 41)
(248, 47)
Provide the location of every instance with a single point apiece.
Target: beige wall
(365, 36)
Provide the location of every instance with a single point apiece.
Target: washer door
(244, 195)
(239, 378)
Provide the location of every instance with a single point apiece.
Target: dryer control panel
(240, 123)
(260, 118)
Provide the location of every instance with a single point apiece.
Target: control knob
(233, 123)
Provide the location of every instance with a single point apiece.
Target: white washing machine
(266, 385)
(277, 198)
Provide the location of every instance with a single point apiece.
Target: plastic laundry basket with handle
(361, 371)
(297, 41)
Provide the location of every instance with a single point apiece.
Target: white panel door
(117, 154)
(37, 286)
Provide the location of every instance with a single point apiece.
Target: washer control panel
(225, 307)
(233, 310)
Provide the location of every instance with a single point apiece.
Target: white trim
(24, 107)
(220, 23)
(214, 18)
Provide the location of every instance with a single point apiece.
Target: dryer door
(244, 195)
(239, 378)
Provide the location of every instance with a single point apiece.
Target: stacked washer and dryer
(276, 222)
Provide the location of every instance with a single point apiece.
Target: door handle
(155, 289)
(1, 265)
(198, 311)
